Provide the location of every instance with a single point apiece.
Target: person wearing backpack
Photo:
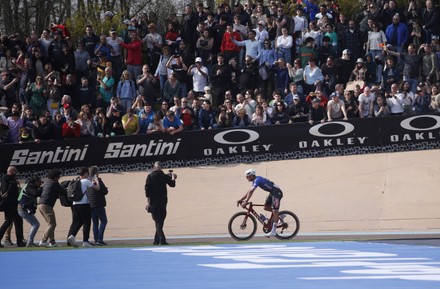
(81, 211)
(97, 204)
(9, 193)
(27, 206)
(49, 195)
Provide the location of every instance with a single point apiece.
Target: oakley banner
(217, 144)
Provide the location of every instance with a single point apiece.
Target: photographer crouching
(156, 193)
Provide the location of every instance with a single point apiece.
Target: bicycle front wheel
(242, 226)
(288, 225)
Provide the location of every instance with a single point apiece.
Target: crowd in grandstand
(257, 64)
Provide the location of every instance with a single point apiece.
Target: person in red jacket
(134, 55)
(71, 129)
(228, 47)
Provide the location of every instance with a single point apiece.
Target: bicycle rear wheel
(242, 226)
(288, 225)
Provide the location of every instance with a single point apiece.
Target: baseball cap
(316, 100)
(295, 97)
(261, 22)
(360, 60)
(207, 88)
(66, 106)
(198, 59)
(434, 37)
(112, 30)
(346, 51)
(126, 21)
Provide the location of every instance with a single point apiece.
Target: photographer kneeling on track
(156, 193)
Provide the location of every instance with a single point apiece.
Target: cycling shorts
(274, 200)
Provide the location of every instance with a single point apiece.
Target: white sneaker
(87, 244)
(270, 234)
(54, 245)
(42, 244)
(71, 241)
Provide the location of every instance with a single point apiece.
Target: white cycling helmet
(250, 172)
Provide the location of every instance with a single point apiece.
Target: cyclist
(273, 200)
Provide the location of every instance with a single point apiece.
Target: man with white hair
(157, 198)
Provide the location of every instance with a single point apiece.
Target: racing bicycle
(243, 225)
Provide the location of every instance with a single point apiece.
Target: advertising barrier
(235, 144)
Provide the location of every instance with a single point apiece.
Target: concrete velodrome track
(376, 195)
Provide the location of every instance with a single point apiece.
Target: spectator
(261, 33)
(284, 45)
(145, 116)
(89, 41)
(317, 112)
(282, 78)
(288, 100)
(81, 211)
(206, 116)
(156, 125)
(179, 68)
(130, 122)
(241, 118)
(86, 124)
(161, 71)
(126, 90)
(43, 130)
(222, 119)
(228, 47)
(27, 206)
(171, 88)
(199, 75)
(422, 99)
(429, 63)
(8, 88)
(49, 195)
(85, 94)
(134, 55)
(336, 109)
(435, 99)
(53, 96)
(411, 64)
(351, 105)
(15, 123)
(298, 110)
(177, 107)
(102, 123)
(380, 107)
(268, 59)
(249, 75)
(204, 47)
(359, 72)
(9, 193)
(260, 117)
(352, 39)
(313, 77)
(146, 84)
(37, 92)
(344, 65)
(172, 124)
(68, 112)
(220, 77)
(156, 193)
(115, 56)
(71, 129)
(366, 103)
(98, 203)
(106, 87)
(397, 34)
(280, 113)
(253, 47)
(307, 51)
(4, 131)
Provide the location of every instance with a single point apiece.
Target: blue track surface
(341, 265)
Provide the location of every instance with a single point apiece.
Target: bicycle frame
(250, 210)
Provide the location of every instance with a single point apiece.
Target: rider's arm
(248, 195)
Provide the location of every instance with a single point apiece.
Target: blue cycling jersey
(266, 185)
